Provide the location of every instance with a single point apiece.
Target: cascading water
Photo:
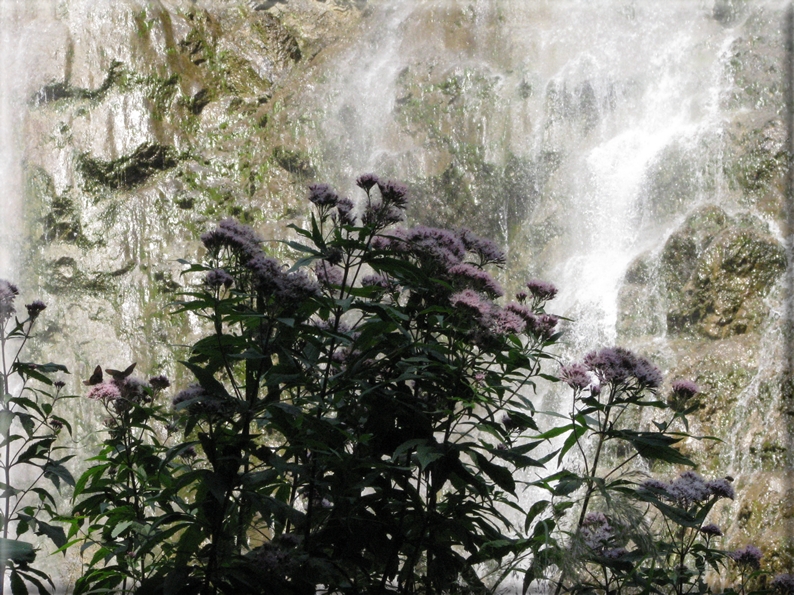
(628, 151)
(10, 165)
(607, 88)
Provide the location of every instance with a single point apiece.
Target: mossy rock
(716, 272)
(724, 294)
(758, 165)
(127, 171)
(756, 63)
(680, 254)
(293, 161)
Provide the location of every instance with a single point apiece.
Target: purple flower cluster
(196, 400)
(505, 322)
(35, 308)
(486, 250)
(541, 290)
(711, 530)
(366, 181)
(476, 278)
(784, 583)
(342, 327)
(328, 274)
(685, 389)
(596, 531)
(382, 214)
(431, 245)
(472, 302)
(749, 556)
(721, 488)
(379, 280)
(524, 312)
(240, 239)
(322, 195)
(188, 395)
(576, 375)
(296, 287)
(269, 278)
(538, 325)
(106, 392)
(267, 273)
(218, 278)
(8, 292)
(159, 382)
(690, 488)
(616, 365)
(121, 393)
(344, 211)
(391, 207)
(393, 194)
(543, 325)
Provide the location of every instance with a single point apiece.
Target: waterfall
(10, 118)
(620, 94)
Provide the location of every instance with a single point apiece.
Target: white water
(10, 118)
(614, 85)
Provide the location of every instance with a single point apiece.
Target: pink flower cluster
(749, 556)
(240, 239)
(690, 488)
(476, 278)
(616, 365)
(487, 251)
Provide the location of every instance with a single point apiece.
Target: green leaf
(17, 584)
(427, 453)
(554, 432)
(534, 510)
(568, 484)
(206, 379)
(56, 534)
(498, 474)
(6, 418)
(576, 433)
(655, 446)
(120, 528)
(18, 551)
(55, 471)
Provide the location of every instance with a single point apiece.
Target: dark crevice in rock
(293, 162)
(63, 90)
(127, 171)
(61, 223)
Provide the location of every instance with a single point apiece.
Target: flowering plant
(354, 424)
(29, 450)
(362, 422)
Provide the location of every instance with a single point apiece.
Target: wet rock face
(148, 122)
(717, 272)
